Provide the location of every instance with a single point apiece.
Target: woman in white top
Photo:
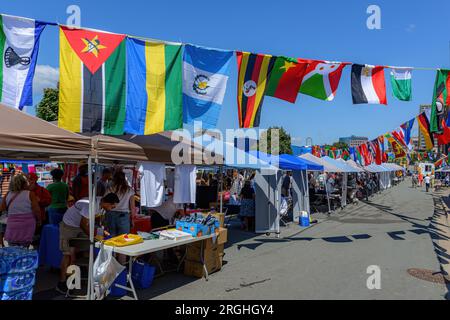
(23, 210)
(118, 221)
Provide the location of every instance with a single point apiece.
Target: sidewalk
(441, 224)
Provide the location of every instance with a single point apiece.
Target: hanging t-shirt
(185, 183)
(152, 183)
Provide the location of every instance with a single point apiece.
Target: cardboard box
(194, 253)
(193, 265)
(222, 238)
(195, 269)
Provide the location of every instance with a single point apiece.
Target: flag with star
(92, 81)
(286, 79)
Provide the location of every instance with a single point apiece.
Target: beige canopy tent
(26, 137)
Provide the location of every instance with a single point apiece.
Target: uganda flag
(92, 81)
(254, 71)
(286, 79)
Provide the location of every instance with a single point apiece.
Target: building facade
(353, 141)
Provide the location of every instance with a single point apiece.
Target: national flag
(381, 141)
(441, 101)
(378, 154)
(154, 87)
(424, 127)
(368, 84)
(398, 135)
(353, 155)
(345, 154)
(286, 79)
(407, 127)
(401, 83)
(19, 47)
(322, 78)
(360, 158)
(253, 73)
(366, 154)
(205, 76)
(92, 81)
(443, 138)
(441, 162)
(397, 148)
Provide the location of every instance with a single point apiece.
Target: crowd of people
(29, 206)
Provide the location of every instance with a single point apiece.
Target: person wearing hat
(60, 194)
(43, 196)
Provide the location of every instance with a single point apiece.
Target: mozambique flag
(91, 81)
(441, 101)
(286, 79)
(254, 71)
(154, 88)
(424, 126)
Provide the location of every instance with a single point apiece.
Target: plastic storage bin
(15, 259)
(25, 294)
(17, 281)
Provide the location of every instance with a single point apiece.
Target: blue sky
(413, 34)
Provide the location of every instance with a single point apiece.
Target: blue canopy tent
(299, 168)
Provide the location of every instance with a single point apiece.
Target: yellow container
(124, 240)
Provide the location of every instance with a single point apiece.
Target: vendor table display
(150, 246)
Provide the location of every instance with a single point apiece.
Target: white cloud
(410, 28)
(45, 77)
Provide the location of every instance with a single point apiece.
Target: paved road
(329, 260)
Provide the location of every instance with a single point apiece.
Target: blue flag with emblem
(205, 77)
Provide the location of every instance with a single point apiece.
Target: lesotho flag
(205, 77)
(19, 46)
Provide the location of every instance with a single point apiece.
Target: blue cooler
(142, 275)
(304, 219)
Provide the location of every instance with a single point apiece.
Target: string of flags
(400, 143)
(114, 83)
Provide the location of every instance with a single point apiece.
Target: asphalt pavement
(331, 260)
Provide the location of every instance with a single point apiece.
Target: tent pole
(90, 295)
(326, 191)
(221, 188)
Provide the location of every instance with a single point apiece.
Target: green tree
(47, 109)
(340, 145)
(284, 141)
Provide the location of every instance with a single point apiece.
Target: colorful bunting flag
(154, 87)
(368, 84)
(401, 83)
(205, 77)
(254, 71)
(19, 47)
(424, 127)
(441, 101)
(322, 79)
(407, 127)
(286, 79)
(92, 81)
